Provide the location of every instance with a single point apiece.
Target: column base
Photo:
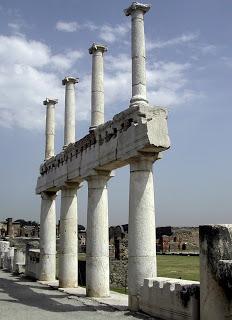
(47, 267)
(133, 303)
(97, 277)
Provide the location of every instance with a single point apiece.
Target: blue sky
(189, 68)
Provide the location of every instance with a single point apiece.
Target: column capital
(72, 185)
(70, 80)
(97, 47)
(48, 195)
(137, 6)
(50, 101)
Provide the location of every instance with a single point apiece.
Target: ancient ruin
(136, 137)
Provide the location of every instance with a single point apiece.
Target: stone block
(216, 271)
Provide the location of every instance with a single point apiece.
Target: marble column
(97, 245)
(142, 232)
(50, 127)
(70, 110)
(139, 91)
(48, 237)
(97, 90)
(68, 256)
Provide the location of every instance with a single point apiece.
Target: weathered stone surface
(70, 109)
(48, 237)
(216, 271)
(170, 299)
(109, 146)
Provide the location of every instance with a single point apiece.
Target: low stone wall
(170, 299)
(118, 273)
(4, 246)
(32, 263)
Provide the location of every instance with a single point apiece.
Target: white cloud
(106, 32)
(29, 72)
(209, 49)
(113, 33)
(167, 82)
(184, 38)
(67, 26)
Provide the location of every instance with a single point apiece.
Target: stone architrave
(50, 127)
(97, 86)
(139, 91)
(142, 231)
(70, 110)
(48, 237)
(68, 255)
(97, 246)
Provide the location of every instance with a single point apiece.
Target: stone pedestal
(142, 232)
(68, 255)
(48, 237)
(139, 91)
(70, 109)
(50, 127)
(97, 87)
(19, 260)
(215, 272)
(97, 246)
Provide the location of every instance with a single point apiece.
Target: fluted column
(141, 237)
(48, 237)
(97, 90)
(70, 109)
(68, 256)
(97, 246)
(50, 127)
(138, 52)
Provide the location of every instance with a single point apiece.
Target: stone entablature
(110, 146)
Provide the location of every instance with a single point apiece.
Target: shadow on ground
(23, 291)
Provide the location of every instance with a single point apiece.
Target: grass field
(183, 267)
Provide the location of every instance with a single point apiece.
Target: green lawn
(183, 267)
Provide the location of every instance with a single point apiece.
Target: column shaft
(50, 127)
(48, 237)
(141, 237)
(70, 110)
(138, 54)
(97, 249)
(50, 131)
(68, 256)
(97, 86)
(139, 90)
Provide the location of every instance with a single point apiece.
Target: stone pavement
(22, 299)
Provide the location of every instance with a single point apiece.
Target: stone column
(48, 237)
(10, 230)
(142, 232)
(68, 256)
(70, 106)
(97, 91)
(139, 91)
(50, 127)
(97, 245)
